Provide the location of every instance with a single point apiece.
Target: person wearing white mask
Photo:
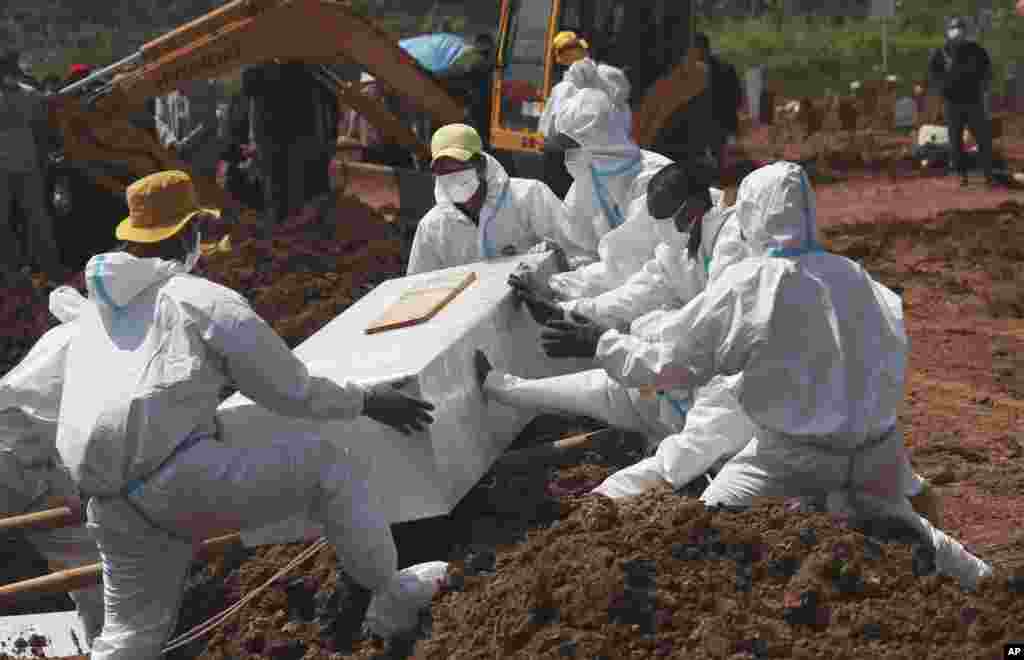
(610, 231)
(137, 429)
(32, 476)
(481, 212)
(609, 170)
(822, 352)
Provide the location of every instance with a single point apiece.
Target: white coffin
(425, 474)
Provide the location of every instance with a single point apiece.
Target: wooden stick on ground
(552, 453)
(49, 519)
(91, 575)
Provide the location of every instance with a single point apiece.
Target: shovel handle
(61, 516)
(91, 575)
(551, 452)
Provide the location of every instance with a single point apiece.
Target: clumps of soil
(311, 268)
(662, 576)
(977, 253)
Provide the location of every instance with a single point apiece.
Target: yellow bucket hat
(458, 141)
(159, 206)
(568, 47)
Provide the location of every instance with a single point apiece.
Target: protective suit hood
(114, 279)
(590, 118)
(497, 180)
(583, 74)
(776, 210)
(617, 85)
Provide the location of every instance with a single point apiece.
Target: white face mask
(460, 186)
(954, 34)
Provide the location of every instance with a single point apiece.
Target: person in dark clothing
(726, 96)
(962, 71)
(482, 78)
(292, 128)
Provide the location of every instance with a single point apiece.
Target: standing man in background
(186, 120)
(23, 117)
(294, 127)
(962, 71)
(726, 96)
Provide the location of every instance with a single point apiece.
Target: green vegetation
(808, 55)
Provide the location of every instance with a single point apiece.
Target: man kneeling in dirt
(690, 432)
(821, 350)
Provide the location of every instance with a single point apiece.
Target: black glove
(547, 245)
(574, 337)
(405, 414)
(543, 310)
(482, 366)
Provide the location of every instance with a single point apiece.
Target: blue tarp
(435, 52)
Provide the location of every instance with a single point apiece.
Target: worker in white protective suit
(573, 52)
(481, 213)
(137, 430)
(32, 476)
(696, 242)
(693, 253)
(612, 234)
(823, 358)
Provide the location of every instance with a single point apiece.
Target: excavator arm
(242, 32)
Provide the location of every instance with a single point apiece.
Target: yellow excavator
(649, 39)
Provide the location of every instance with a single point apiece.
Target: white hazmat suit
(689, 441)
(31, 469)
(606, 206)
(517, 215)
(137, 429)
(823, 360)
(584, 74)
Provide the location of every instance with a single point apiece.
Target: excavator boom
(248, 32)
(242, 33)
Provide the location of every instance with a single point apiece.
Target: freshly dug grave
(662, 576)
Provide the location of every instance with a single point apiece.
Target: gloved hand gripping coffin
(424, 474)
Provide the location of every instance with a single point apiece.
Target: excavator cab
(648, 39)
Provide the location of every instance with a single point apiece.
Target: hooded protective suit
(584, 74)
(145, 444)
(817, 324)
(625, 251)
(666, 282)
(517, 214)
(30, 466)
(610, 172)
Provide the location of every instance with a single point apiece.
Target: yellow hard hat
(457, 141)
(568, 47)
(159, 206)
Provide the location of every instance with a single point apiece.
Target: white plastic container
(425, 474)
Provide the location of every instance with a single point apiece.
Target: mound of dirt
(664, 577)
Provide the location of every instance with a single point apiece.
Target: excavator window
(523, 76)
